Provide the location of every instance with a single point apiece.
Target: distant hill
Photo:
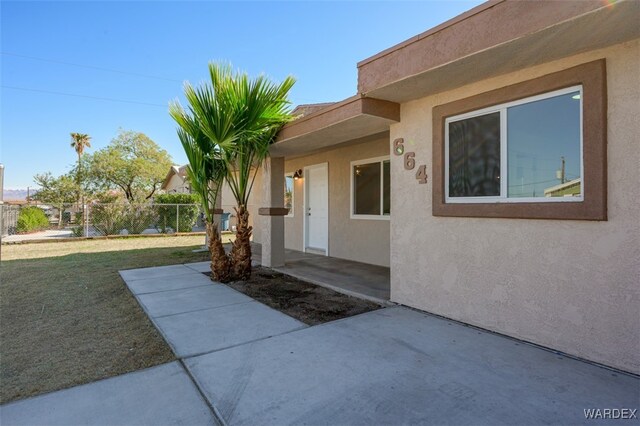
(15, 194)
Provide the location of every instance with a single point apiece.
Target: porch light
(298, 174)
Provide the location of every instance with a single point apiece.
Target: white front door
(316, 208)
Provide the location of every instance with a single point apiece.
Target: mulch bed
(299, 299)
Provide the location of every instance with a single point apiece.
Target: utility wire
(54, 61)
(532, 183)
(27, 89)
(155, 77)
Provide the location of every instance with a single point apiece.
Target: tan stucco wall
(569, 285)
(176, 185)
(354, 239)
(228, 204)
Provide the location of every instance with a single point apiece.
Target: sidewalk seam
(202, 309)
(212, 407)
(171, 289)
(304, 327)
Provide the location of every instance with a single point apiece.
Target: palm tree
(206, 173)
(80, 141)
(240, 117)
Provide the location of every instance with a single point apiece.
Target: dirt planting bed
(299, 299)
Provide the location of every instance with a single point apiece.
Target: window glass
(474, 156)
(366, 189)
(288, 193)
(386, 188)
(543, 145)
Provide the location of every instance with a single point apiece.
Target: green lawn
(67, 317)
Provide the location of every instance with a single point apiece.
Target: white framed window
(529, 150)
(371, 188)
(289, 193)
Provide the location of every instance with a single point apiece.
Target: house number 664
(410, 160)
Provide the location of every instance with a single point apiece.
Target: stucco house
(447, 167)
(176, 181)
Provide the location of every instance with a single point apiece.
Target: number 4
(421, 174)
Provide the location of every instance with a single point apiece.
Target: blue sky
(158, 45)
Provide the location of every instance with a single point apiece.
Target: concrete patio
(346, 276)
(244, 363)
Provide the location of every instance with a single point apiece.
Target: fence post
(86, 220)
(177, 217)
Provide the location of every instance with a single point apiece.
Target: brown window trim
(592, 77)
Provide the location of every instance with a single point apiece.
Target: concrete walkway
(248, 364)
(162, 395)
(198, 316)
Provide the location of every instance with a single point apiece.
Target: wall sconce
(298, 174)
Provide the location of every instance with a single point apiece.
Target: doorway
(316, 209)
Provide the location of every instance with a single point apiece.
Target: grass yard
(67, 317)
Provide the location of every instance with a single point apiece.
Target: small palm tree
(80, 141)
(239, 118)
(265, 108)
(206, 173)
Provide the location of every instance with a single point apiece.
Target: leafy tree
(234, 120)
(58, 191)
(80, 141)
(132, 163)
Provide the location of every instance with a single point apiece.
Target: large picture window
(370, 188)
(532, 150)
(528, 150)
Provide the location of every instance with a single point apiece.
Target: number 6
(398, 146)
(409, 160)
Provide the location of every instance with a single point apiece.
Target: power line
(136, 74)
(532, 183)
(27, 89)
(55, 61)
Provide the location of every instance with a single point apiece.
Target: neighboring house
(438, 169)
(176, 181)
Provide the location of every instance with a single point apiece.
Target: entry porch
(345, 276)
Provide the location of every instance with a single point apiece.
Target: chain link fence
(8, 219)
(139, 219)
(104, 219)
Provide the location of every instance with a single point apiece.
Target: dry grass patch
(67, 317)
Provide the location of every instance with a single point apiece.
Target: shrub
(109, 218)
(31, 219)
(77, 231)
(187, 211)
(139, 217)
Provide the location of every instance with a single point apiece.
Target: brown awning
(352, 119)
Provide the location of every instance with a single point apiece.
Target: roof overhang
(495, 38)
(355, 118)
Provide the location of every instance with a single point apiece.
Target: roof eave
(351, 119)
(479, 45)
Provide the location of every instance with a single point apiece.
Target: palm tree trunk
(220, 265)
(241, 250)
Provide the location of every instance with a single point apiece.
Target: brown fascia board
(485, 26)
(339, 112)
